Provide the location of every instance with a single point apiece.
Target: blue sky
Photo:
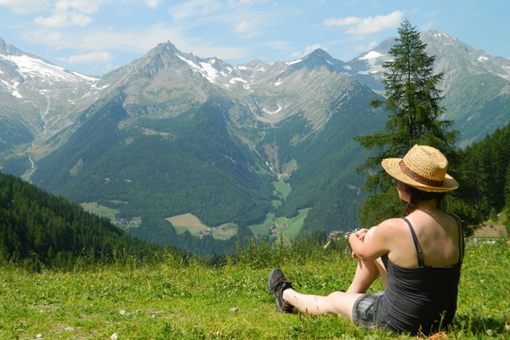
(96, 36)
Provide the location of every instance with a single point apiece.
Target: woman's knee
(369, 234)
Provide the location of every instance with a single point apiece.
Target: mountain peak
(166, 47)
(317, 58)
(318, 53)
(8, 49)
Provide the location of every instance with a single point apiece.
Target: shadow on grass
(482, 325)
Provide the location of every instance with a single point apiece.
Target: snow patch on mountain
(12, 88)
(293, 62)
(87, 78)
(278, 82)
(190, 63)
(30, 67)
(482, 58)
(210, 72)
(205, 69)
(237, 80)
(371, 57)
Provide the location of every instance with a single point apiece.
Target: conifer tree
(413, 103)
(507, 192)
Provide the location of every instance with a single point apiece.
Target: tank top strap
(461, 238)
(419, 252)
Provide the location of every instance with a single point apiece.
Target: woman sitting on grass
(418, 257)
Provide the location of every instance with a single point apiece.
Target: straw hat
(423, 167)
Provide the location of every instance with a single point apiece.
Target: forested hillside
(38, 228)
(484, 175)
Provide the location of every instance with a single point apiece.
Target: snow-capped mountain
(453, 57)
(167, 77)
(39, 100)
(476, 85)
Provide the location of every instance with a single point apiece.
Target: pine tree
(507, 192)
(413, 102)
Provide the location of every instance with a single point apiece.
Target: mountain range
(175, 140)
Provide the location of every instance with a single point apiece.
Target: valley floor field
(180, 298)
(287, 228)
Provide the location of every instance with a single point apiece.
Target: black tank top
(419, 300)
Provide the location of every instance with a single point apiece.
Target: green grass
(101, 210)
(292, 225)
(184, 298)
(289, 228)
(224, 231)
(264, 227)
(282, 188)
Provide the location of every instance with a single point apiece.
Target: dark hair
(418, 195)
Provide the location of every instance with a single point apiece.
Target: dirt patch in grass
(492, 231)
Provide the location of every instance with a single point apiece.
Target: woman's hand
(360, 235)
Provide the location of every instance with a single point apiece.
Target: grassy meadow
(186, 298)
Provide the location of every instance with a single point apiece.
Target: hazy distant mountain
(38, 100)
(476, 85)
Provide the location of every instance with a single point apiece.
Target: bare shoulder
(391, 224)
(391, 228)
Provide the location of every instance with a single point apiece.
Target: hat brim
(392, 167)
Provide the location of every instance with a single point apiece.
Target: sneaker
(276, 284)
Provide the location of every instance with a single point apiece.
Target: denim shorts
(364, 310)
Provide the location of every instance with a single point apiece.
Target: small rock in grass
(69, 329)
(234, 310)
(114, 336)
(122, 312)
(38, 336)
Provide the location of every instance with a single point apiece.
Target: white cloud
(347, 21)
(279, 45)
(311, 48)
(427, 26)
(69, 13)
(25, 6)
(239, 16)
(153, 3)
(246, 3)
(138, 41)
(247, 28)
(194, 9)
(358, 26)
(85, 6)
(87, 58)
(63, 19)
(365, 47)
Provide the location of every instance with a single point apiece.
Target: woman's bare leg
(340, 302)
(334, 303)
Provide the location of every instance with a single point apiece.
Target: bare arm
(378, 244)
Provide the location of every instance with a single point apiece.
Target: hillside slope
(179, 299)
(39, 228)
